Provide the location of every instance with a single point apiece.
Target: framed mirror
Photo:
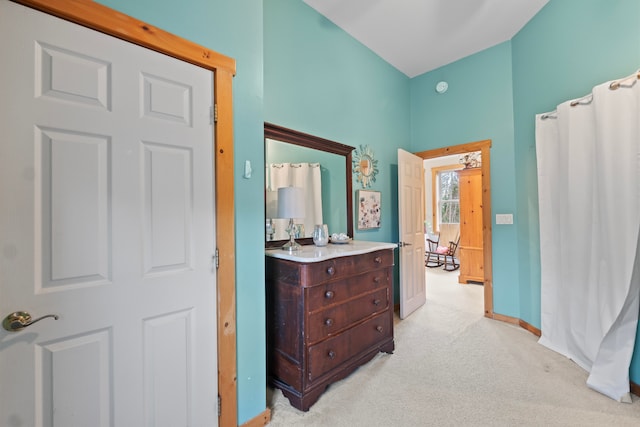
(333, 159)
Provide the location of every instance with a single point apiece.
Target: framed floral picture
(368, 208)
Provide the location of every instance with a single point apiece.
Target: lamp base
(291, 247)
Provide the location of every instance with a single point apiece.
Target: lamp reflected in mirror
(291, 206)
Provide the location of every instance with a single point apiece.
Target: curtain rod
(588, 98)
(615, 85)
(585, 100)
(294, 165)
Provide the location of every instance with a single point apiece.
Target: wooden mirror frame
(291, 136)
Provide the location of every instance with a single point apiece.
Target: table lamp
(291, 205)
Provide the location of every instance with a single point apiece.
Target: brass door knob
(19, 320)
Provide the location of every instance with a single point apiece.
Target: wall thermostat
(442, 87)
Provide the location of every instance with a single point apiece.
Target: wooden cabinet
(326, 318)
(470, 247)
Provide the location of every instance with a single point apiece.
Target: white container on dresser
(329, 310)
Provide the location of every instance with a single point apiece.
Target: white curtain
(305, 175)
(589, 196)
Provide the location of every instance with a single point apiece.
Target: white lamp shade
(290, 202)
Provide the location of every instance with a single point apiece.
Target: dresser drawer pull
(376, 279)
(331, 271)
(376, 302)
(331, 354)
(377, 260)
(379, 328)
(328, 294)
(328, 322)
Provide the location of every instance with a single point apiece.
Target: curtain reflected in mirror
(305, 176)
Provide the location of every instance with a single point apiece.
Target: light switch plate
(504, 218)
(247, 169)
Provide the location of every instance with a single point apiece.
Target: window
(448, 197)
(444, 208)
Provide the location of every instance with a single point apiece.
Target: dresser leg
(388, 348)
(302, 402)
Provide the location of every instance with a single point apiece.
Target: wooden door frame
(484, 147)
(109, 21)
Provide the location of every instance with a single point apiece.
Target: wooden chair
(433, 258)
(450, 263)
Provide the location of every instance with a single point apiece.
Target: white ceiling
(417, 36)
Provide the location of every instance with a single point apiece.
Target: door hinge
(213, 114)
(216, 258)
(219, 406)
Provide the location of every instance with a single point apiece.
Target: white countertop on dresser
(313, 253)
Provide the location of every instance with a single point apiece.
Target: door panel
(168, 228)
(168, 362)
(86, 396)
(411, 214)
(106, 220)
(72, 191)
(72, 76)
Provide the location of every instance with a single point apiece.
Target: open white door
(411, 217)
(106, 220)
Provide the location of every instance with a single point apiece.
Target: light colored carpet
(454, 367)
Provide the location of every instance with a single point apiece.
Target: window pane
(449, 188)
(448, 197)
(450, 212)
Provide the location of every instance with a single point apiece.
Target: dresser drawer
(337, 292)
(336, 350)
(335, 268)
(331, 320)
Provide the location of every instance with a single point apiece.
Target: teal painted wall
(566, 49)
(233, 28)
(319, 80)
(478, 105)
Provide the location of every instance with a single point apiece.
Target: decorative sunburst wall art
(365, 167)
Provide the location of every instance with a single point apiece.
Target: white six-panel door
(411, 214)
(106, 220)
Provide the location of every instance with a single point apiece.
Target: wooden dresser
(329, 310)
(470, 249)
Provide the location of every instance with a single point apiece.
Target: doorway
(484, 148)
